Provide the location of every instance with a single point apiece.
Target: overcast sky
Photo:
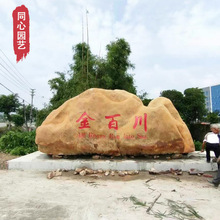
(175, 44)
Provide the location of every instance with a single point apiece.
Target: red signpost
(21, 35)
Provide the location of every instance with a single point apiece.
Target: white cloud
(191, 33)
(7, 7)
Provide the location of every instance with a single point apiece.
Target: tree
(176, 98)
(118, 64)
(18, 120)
(190, 105)
(89, 71)
(42, 114)
(212, 117)
(103, 77)
(24, 112)
(9, 104)
(58, 86)
(194, 102)
(83, 71)
(144, 99)
(80, 77)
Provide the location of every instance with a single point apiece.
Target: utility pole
(25, 118)
(87, 47)
(82, 46)
(31, 114)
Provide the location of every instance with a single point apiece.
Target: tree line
(191, 105)
(15, 111)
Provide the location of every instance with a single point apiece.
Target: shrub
(3, 130)
(18, 143)
(198, 145)
(18, 151)
(18, 120)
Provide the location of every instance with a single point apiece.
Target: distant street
(2, 125)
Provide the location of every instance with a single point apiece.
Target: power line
(11, 80)
(7, 88)
(16, 69)
(15, 77)
(14, 93)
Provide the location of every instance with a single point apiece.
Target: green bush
(18, 143)
(18, 151)
(3, 130)
(18, 120)
(198, 145)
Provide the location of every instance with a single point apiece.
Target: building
(212, 101)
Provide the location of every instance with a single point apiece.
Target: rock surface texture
(113, 122)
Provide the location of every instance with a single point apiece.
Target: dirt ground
(26, 195)
(3, 158)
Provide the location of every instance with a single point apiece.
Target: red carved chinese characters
(21, 32)
(139, 118)
(113, 124)
(84, 121)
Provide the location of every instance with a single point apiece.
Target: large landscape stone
(113, 122)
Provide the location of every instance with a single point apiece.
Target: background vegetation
(18, 143)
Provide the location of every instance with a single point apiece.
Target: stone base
(41, 162)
